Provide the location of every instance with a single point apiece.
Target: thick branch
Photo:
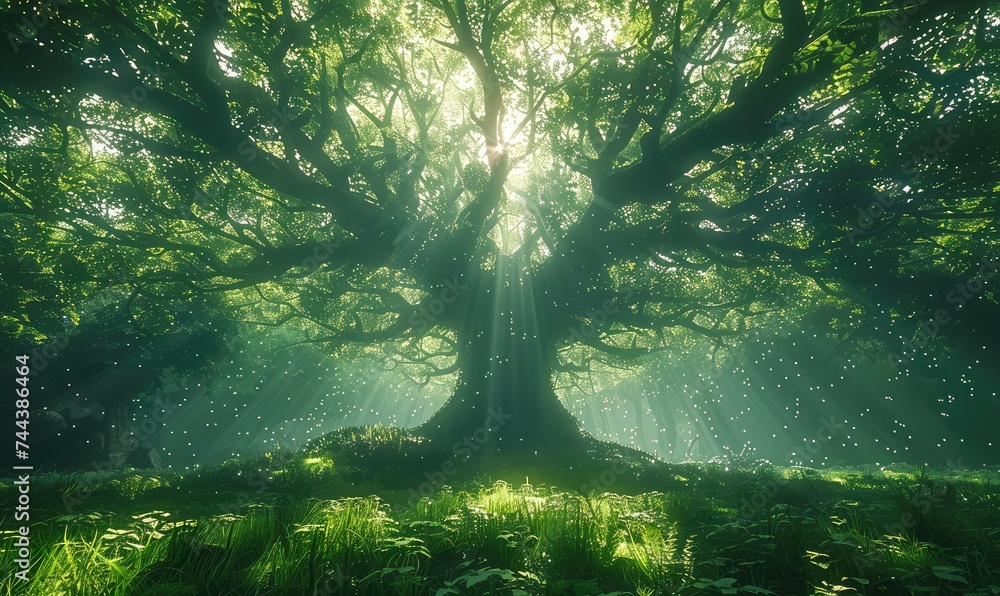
(353, 211)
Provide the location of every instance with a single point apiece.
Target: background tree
(512, 193)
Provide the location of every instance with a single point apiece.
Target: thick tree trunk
(504, 400)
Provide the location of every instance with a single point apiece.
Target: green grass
(339, 517)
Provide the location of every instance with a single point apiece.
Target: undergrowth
(323, 521)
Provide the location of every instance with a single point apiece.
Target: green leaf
(951, 577)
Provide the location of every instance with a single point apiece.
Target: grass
(341, 517)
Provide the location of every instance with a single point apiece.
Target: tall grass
(817, 532)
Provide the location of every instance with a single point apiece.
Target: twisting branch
(479, 53)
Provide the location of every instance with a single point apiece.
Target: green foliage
(301, 167)
(164, 534)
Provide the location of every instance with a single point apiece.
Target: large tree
(510, 191)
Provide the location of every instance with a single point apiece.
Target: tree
(511, 191)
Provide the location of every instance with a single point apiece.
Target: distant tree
(95, 383)
(511, 192)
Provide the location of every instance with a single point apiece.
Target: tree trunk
(504, 400)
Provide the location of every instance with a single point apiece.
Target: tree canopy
(507, 194)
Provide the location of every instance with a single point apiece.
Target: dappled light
(500, 297)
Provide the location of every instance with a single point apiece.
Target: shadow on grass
(346, 515)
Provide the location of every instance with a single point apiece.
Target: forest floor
(377, 510)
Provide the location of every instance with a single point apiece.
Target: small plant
(683, 538)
